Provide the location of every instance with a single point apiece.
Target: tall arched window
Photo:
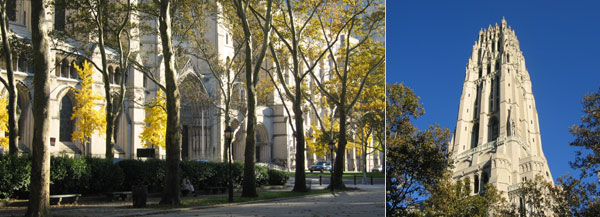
(484, 178)
(476, 184)
(57, 67)
(66, 124)
(475, 135)
(476, 104)
(493, 129)
(72, 70)
(22, 63)
(59, 17)
(11, 10)
(111, 73)
(64, 68)
(117, 75)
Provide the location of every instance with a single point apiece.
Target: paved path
(369, 201)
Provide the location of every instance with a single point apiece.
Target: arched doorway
(263, 151)
(25, 116)
(194, 113)
(238, 142)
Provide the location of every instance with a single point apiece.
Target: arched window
(59, 17)
(110, 74)
(74, 73)
(476, 184)
(476, 104)
(493, 129)
(484, 178)
(57, 67)
(497, 93)
(72, 70)
(66, 124)
(11, 10)
(117, 75)
(64, 68)
(475, 135)
(22, 63)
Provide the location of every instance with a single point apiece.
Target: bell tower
(497, 138)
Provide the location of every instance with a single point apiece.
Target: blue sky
(429, 43)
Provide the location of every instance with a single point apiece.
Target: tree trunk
(12, 96)
(300, 176)
(364, 161)
(338, 168)
(39, 201)
(249, 185)
(106, 80)
(173, 137)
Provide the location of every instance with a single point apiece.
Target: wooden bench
(59, 198)
(120, 195)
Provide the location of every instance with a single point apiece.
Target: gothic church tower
(497, 138)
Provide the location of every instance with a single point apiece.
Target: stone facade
(497, 137)
(202, 124)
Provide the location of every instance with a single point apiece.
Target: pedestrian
(187, 185)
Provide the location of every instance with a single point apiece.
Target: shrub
(68, 175)
(277, 177)
(210, 174)
(104, 176)
(155, 174)
(14, 176)
(261, 175)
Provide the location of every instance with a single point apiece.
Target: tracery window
(66, 124)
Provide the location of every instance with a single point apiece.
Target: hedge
(277, 177)
(94, 175)
(14, 175)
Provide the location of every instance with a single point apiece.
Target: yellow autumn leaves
(155, 130)
(87, 118)
(4, 121)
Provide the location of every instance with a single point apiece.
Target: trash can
(139, 193)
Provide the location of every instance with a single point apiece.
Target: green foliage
(14, 175)
(150, 172)
(105, 176)
(261, 175)
(574, 197)
(450, 198)
(277, 177)
(68, 175)
(587, 136)
(414, 159)
(96, 175)
(210, 174)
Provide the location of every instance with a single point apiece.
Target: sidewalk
(88, 207)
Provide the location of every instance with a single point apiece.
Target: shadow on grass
(238, 199)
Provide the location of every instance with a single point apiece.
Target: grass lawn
(262, 196)
(350, 174)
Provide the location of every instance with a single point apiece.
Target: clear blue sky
(429, 43)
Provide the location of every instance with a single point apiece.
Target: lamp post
(228, 137)
(331, 146)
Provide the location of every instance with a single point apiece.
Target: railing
(491, 145)
(514, 187)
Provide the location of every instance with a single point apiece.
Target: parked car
(377, 169)
(321, 166)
